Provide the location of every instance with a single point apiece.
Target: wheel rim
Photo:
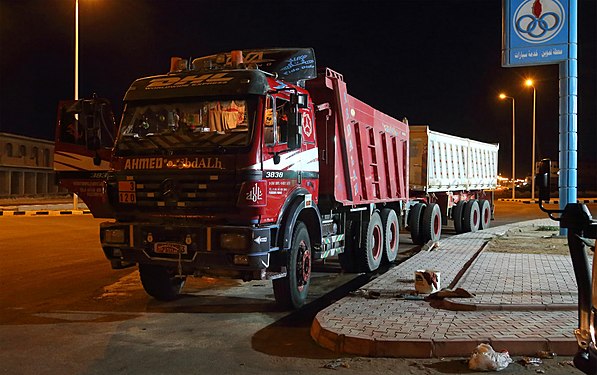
(475, 218)
(303, 266)
(436, 224)
(486, 216)
(376, 246)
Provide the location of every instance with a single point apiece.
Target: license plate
(169, 248)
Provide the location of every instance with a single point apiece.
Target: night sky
(435, 62)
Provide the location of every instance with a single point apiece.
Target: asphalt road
(64, 311)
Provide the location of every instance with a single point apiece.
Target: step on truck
(248, 164)
(449, 178)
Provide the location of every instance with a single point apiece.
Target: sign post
(538, 32)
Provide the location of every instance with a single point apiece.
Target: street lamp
(75, 196)
(529, 83)
(504, 96)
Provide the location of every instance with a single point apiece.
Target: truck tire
(458, 217)
(161, 282)
(372, 245)
(485, 208)
(291, 291)
(348, 259)
(414, 222)
(391, 234)
(431, 223)
(472, 216)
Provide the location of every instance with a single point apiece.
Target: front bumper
(233, 251)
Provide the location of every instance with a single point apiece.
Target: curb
(435, 348)
(45, 213)
(553, 201)
(450, 304)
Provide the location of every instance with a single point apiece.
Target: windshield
(171, 126)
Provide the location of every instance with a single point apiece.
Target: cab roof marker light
(236, 58)
(178, 64)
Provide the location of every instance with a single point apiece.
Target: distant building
(26, 166)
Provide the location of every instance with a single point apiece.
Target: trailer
(450, 178)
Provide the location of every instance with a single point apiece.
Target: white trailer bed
(441, 162)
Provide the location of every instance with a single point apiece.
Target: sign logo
(537, 21)
(255, 194)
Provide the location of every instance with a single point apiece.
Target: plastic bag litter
(484, 358)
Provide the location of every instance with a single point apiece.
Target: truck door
(83, 149)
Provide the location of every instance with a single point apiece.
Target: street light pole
(504, 96)
(530, 83)
(76, 49)
(75, 196)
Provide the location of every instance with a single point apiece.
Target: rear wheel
(431, 223)
(160, 282)
(291, 291)
(372, 245)
(457, 216)
(391, 234)
(485, 208)
(414, 222)
(472, 216)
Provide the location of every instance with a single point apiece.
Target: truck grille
(206, 191)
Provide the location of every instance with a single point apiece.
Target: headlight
(234, 241)
(114, 236)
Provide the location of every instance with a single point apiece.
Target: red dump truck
(249, 164)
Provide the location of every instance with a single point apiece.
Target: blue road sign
(535, 32)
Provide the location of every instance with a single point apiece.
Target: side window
(282, 114)
(276, 121)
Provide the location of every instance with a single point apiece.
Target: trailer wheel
(391, 234)
(372, 246)
(472, 216)
(485, 208)
(291, 291)
(457, 216)
(414, 222)
(431, 224)
(161, 282)
(348, 259)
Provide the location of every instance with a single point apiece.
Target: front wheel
(161, 282)
(472, 216)
(291, 291)
(458, 216)
(485, 208)
(391, 234)
(372, 245)
(414, 222)
(431, 223)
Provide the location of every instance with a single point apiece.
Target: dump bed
(363, 152)
(441, 162)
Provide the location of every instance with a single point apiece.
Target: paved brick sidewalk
(510, 294)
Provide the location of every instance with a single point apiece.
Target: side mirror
(542, 180)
